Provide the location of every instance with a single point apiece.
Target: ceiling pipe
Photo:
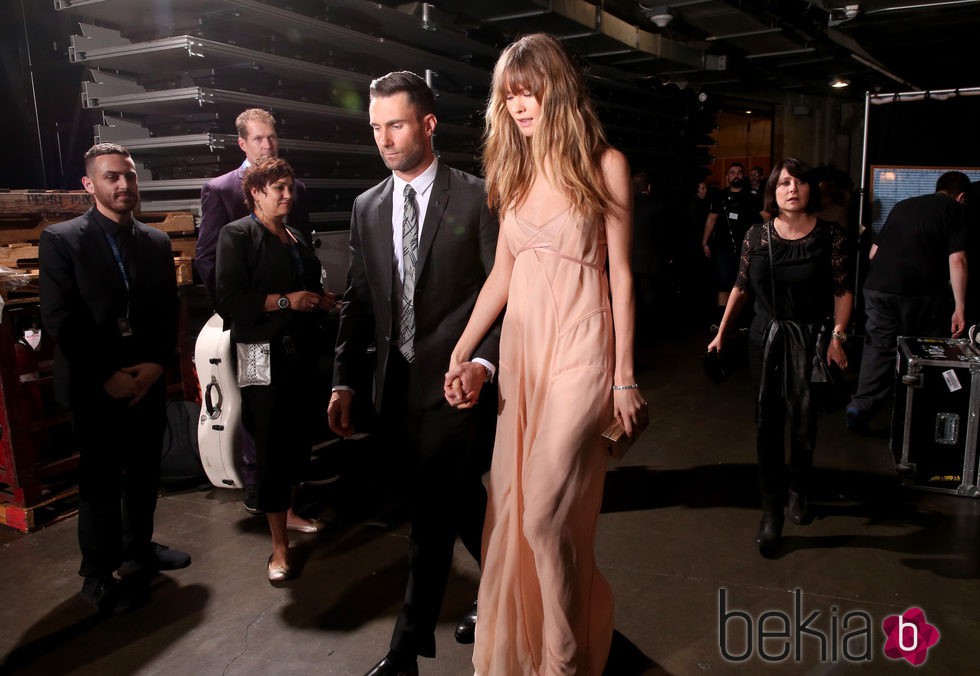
(784, 52)
(924, 5)
(746, 34)
(857, 52)
(881, 69)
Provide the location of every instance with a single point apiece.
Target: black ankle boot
(770, 532)
(799, 508)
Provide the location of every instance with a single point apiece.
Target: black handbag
(719, 364)
(827, 384)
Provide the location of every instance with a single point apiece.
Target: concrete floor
(675, 534)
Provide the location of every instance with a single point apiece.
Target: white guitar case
(219, 426)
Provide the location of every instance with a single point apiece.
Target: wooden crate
(185, 270)
(174, 223)
(37, 453)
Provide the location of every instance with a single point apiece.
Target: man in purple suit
(222, 202)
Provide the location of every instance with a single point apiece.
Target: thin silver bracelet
(634, 386)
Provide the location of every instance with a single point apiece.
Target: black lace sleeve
(840, 260)
(755, 240)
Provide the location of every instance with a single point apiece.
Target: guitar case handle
(214, 410)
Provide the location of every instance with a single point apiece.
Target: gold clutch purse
(617, 441)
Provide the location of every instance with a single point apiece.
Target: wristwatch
(839, 335)
(283, 302)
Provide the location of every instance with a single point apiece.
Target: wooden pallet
(45, 203)
(19, 255)
(27, 228)
(25, 214)
(55, 507)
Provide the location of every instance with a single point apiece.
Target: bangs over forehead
(520, 72)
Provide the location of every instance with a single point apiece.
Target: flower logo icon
(909, 636)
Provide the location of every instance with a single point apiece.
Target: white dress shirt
(422, 185)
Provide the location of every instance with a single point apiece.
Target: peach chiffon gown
(544, 607)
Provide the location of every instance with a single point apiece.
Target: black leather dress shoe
(466, 628)
(388, 667)
(166, 558)
(770, 533)
(799, 509)
(109, 596)
(154, 558)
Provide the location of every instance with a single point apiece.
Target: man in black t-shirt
(732, 212)
(917, 277)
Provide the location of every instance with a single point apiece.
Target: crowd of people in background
(680, 269)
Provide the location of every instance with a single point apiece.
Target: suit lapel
(438, 201)
(141, 252)
(383, 244)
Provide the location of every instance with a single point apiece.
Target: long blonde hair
(568, 138)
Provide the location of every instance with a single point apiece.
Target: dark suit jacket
(83, 296)
(251, 265)
(458, 242)
(222, 202)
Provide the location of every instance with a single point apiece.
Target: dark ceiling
(752, 47)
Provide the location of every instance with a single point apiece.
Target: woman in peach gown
(566, 364)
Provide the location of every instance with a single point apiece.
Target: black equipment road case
(935, 422)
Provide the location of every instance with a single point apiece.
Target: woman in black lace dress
(796, 267)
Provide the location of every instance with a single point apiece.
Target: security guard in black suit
(109, 299)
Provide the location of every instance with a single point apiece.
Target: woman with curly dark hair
(269, 287)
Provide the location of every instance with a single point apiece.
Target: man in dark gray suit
(422, 244)
(109, 299)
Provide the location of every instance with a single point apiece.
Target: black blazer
(252, 263)
(459, 239)
(83, 296)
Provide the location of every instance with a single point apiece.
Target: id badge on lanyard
(125, 328)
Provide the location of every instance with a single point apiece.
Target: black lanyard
(117, 254)
(120, 264)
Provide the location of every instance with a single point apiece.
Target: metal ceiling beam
(602, 22)
(782, 52)
(744, 34)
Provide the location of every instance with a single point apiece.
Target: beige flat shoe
(279, 573)
(310, 526)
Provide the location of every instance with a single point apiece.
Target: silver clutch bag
(254, 364)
